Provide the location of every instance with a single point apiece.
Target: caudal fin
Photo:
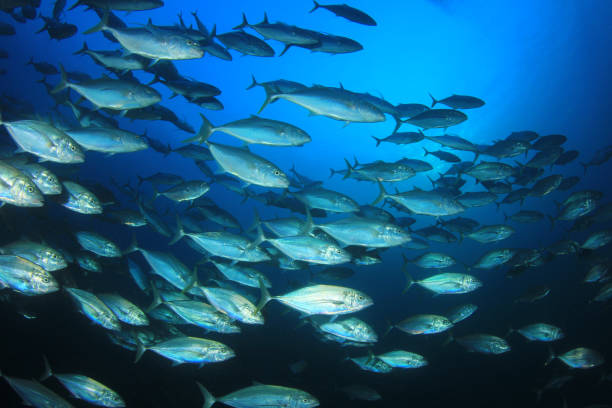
(349, 169)
(180, 232)
(382, 194)
(409, 280)
(83, 49)
(203, 134)
(315, 6)
(209, 400)
(551, 356)
(140, 349)
(133, 247)
(101, 25)
(157, 300)
(586, 166)
(433, 100)
(48, 373)
(63, 84)
(265, 296)
(377, 140)
(254, 82)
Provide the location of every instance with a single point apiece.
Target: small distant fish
(484, 343)
(94, 309)
(272, 396)
(580, 357)
(403, 359)
(35, 394)
(424, 324)
(459, 102)
(401, 138)
(541, 332)
(446, 283)
(534, 294)
(25, 277)
(347, 12)
(460, 313)
(437, 118)
(189, 350)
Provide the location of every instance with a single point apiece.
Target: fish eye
(30, 189)
(45, 280)
(72, 147)
(276, 173)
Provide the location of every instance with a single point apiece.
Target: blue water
(541, 66)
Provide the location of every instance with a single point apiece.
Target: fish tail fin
(349, 169)
(382, 193)
(133, 247)
(388, 328)
(409, 279)
(265, 296)
(432, 181)
(426, 152)
(244, 23)
(309, 225)
(140, 349)
(315, 6)
(355, 162)
(63, 84)
(209, 400)
(398, 123)
(332, 172)
(193, 281)
(254, 82)
(260, 234)
(433, 100)
(31, 61)
(47, 373)
(585, 166)
(551, 356)
(157, 300)
(101, 25)
(75, 5)
(204, 133)
(377, 140)
(82, 50)
(180, 232)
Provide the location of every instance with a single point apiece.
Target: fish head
(88, 203)
(50, 181)
(394, 235)
(111, 250)
(334, 254)
(110, 398)
(441, 323)
(302, 399)
(470, 283)
(185, 47)
(357, 300)
(221, 352)
(498, 346)
(346, 203)
(271, 175)
(144, 96)
(43, 282)
(52, 259)
(24, 192)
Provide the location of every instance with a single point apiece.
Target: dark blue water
(542, 66)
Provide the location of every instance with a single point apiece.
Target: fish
(473, 199)
(604, 294)
(484, 343)
(491, 171)
(541, 332)
(459, 102)
(116, 94)
(114, 60)
(597, 240)
(35, 394)
(288, 34)
(107, 140)
(152, 42)
(492, 233)
(350, 329)
(424, 324)
(256, 130)
(580, 357)
(186, 349)
(17, 188)
(446, 283)
(242, 274)
(328, 43)
(203, 315)
(260, 395)
(168, 267)
(444, 156)
(46, 181)
(437, 118)
(401, 138)
(525, 216)
(86, 388)
(233, 304)
(334, 103)
(44, 141)
(271, 88)
(320, 299)
(310, 249)
(244, 43)
(328, 200)
(433, 203)
(25, 277)
(121, 5)
(597, 272)
(494, 258)
(372, 364)
(460, 313)
(403, 359)
(96, 243)
(42, 255)
(347, 12)
(125, 310)
(365, 232)
(94, 309)
(186, 191)
(433, 260)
